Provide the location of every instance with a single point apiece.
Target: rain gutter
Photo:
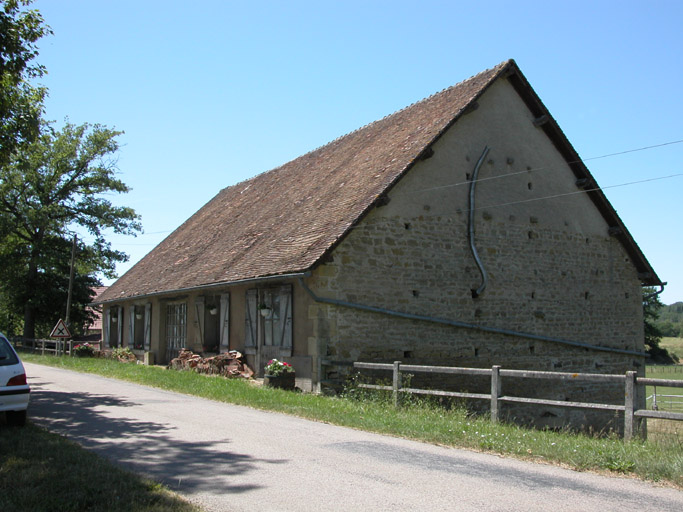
(208, 286)
(464, 325)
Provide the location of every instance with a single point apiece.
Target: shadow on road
(143, 446)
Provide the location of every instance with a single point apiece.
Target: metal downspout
(655, 294)
(470, 227)
(465, 325)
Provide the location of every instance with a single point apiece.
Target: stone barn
(463, 230)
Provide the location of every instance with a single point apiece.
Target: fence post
(629, 405)
(495, 392)
(396, 382)
(42, 352)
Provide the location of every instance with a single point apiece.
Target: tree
(48, 189)
(653, 335)
(21, 103)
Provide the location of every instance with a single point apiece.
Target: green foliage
(51, 186)
(653, 334)
(277, 368)
(21, 103)
(123, 354)
(670, 321)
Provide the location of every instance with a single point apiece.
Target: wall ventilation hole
(586, 295)
(627, 295)
(531, 349)
(467, 177)
(476, 352)
(416, 293)
(406, 225)
(533, 295)
(530, 185)
(407, 354)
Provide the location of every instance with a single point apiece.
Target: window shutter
(131, 327)
(107, 326)
(250, 318)
(224, 322)
(148, 325)
(199, 321)
(286, 318)
(119, 327)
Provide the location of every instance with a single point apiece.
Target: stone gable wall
(553, 269)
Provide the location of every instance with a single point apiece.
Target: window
(113, 327)
(268, 329)
(176, 329)
(140, 326)
(212, 322)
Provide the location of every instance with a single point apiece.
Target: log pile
(230, 364)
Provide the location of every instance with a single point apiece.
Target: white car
(14, 390)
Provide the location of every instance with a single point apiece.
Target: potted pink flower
(279, 374)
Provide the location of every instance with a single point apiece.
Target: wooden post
(396, 382)
(629, 405)
(42, 352)
(495, 392)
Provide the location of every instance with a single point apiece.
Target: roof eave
(222, 284)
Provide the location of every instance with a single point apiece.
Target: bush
(123, 354)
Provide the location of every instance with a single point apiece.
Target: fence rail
(55, 347)
(496, 374)
(669, 368)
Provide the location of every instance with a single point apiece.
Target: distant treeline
(670, 321)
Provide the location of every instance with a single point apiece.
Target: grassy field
(659, 461)
(40, 471)
(674, 346)
(668, 398)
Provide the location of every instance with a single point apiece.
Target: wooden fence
(54, 347)
(496, 375)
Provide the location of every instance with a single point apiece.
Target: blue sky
(210, 93)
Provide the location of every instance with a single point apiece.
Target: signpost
(60, 331)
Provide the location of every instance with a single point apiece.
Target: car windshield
(7, 355)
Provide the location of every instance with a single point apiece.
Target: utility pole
(71, 284)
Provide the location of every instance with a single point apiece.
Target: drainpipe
(464, 325)
(655, 294)
(470, 226)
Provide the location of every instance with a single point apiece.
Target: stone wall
(553, 269)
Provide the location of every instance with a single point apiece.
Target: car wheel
(16, 418)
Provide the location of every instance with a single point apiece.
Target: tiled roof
(97, 320)
(285, 220)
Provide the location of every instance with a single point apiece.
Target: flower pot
(284, 381)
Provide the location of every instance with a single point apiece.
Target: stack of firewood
(230, 364)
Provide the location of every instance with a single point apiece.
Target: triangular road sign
(60, 330)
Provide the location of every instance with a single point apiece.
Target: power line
(549, 168)
(574, 192)
(634, 150)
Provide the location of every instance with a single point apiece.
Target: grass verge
(657, 461)
(40, 471)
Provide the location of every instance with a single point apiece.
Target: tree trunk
(30, 308)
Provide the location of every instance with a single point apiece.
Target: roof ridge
(501, 65)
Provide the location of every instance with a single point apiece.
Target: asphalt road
(231, 458)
